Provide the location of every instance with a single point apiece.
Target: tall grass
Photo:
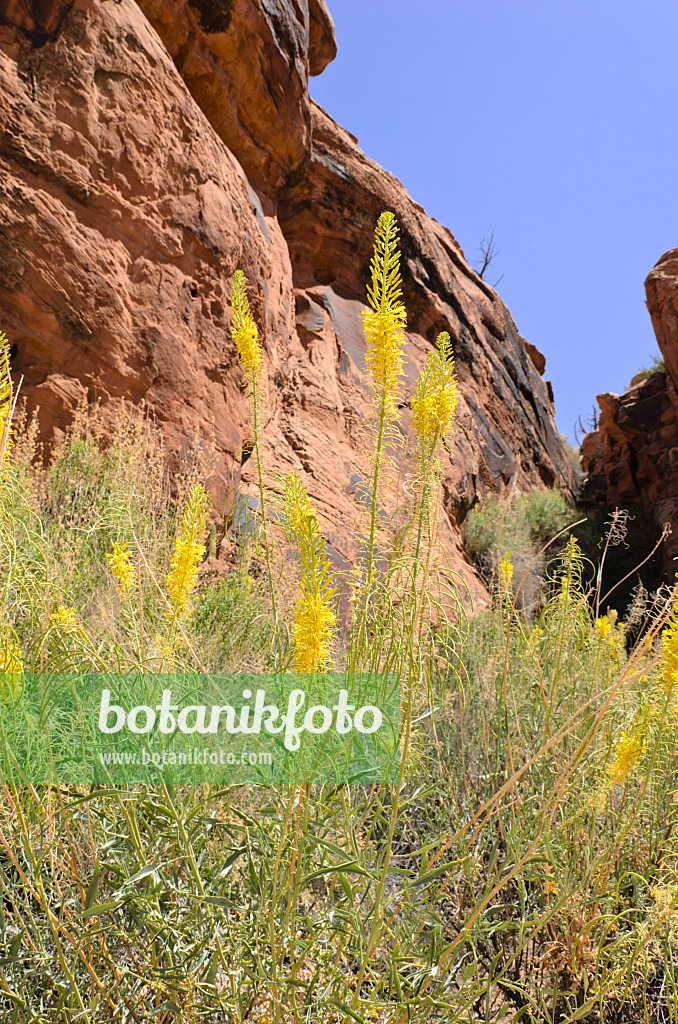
(523, 865)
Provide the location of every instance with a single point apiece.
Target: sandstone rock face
(631, 460)
(661, 288)
(38, 20)
(123, 216)
(146, 152)
(246, 65)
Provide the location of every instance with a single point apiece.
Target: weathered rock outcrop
(246, 65)
(145, 153)
(661, 289)
(631, 460)
(122, 217)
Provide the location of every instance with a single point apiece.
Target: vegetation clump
(522, 525)
(657, 365)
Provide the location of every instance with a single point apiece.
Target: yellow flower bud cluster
(314, 620)
(603, 627)
(65, 618)
(506, 570)
(385, 321)
(245, 331)
(11, 668)
(121, 567)
(669, 663)
(435, 397)
(627, 755)
(611, 633)
(188, 552)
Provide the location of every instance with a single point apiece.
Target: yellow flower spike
(188, 552)
(314, 620)
(627, 755)
(313, 628)
(11, 668)
(245, 331)
(572, 551)
(506, 569)
(669, 664)
(385, 321)
(298, 507)
(603, 627)
(121, 567)
(6, 392)
(436, 394)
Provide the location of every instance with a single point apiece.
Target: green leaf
(218, 901)
(443, 869)
(212, 970)
(150, 869)
(167, 1005)
(233, 858)
(346, 1009)
(101, 908)
(346, 865)
(93, 887)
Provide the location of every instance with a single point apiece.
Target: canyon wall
(631, 460)
(146, 152)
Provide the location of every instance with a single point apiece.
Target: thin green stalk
(264, 516)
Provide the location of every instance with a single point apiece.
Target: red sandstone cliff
(631, 460)
(146, 152)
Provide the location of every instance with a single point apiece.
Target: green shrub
(546, 513)
(519, 527)
(657, 365)
(232, 623)
(521, 524)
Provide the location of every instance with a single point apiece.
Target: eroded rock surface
(631, 460)
(145, 153)
(246, 65)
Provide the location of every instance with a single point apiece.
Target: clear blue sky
(551, 124)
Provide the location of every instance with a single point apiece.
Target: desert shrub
(527, 520)
(232, 623)
(546, 513)
(520, 525)
(657, 365)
